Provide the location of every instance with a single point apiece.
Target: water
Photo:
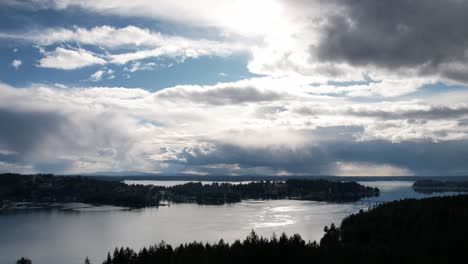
(53, 236)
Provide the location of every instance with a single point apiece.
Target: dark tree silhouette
(23, 260)
(45, 188)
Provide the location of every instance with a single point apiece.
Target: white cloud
(69, 59)
(97, 76)
(110, 74)
(172, 51)
(111, 37)
(145, 44)
(139, 66)
(240, 17)
(16, 63)
(101, 74)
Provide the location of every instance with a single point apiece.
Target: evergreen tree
(23, 260)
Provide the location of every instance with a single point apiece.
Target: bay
(58, 236)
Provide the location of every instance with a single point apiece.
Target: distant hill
(431, 186)
(136, 175)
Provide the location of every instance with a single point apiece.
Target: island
(295, 189)
(432, 186)
(50, 189)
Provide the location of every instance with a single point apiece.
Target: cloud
(204, 13)
(142, 43)
(139, 66)
(276, 158)
(341, 91)
(172, 51)
(428, 35)
(97, 76)
(111, 37)
(324, 40)
(335, 158)
(411, 110)
(63, 136)
(366, 169)
(110, 74)
(388, 87)
(345, 41)
(229, 128)
(101, 74)
(17, 125)
(414, 112)
(69, 59)
(217, 95)
(16, 64)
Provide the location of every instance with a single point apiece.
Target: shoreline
(13, 206)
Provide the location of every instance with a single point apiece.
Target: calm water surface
(56, 236)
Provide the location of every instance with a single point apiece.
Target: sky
(234, 87)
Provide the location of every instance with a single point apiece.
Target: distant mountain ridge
(138, 175)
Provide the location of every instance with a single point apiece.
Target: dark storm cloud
(422, 158)
(54, 165)
(9, 157)
(311, 160)
(429, 113)
(403, 33)
(49, 141)
(463, 122)
(432, 113)
(27, 133)
(24, 131)
(218, 95)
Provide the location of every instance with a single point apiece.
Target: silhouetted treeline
(316, 190)
(44, 188)
(433, 230)
(253, 249)
(49, 188)
(241, 178)
(430, 186)
(23, 260)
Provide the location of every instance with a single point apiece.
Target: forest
(431, 230)
(316, 190)
(45, 188)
